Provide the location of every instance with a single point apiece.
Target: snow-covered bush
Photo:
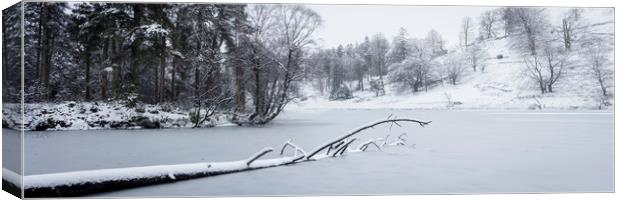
(453, 67)
(476, 55)
(342, 93)
(377, 86)
(413, 73)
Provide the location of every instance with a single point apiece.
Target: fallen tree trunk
(93, 181)
(78, 183)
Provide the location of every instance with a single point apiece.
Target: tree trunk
(566, 33)
(162, 72)
(104, 85)
(173, 89)
(135, 49)
(103, 76)
(258, 97)
(116, 70)
(87, 95)
(602, 84)
(44, 51)
(550, 88)
(240, 87)
(213, 69)
(360, 83)
(197, 81)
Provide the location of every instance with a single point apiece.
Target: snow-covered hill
(502, 85)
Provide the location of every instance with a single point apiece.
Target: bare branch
(258, 155)
(344, 147)
(365, 145)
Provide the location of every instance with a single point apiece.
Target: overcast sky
(343, 24)
(350, 23)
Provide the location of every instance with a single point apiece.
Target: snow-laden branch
(297, 148)
(402, 138)
(341, 138)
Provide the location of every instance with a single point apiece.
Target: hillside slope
(502, 85)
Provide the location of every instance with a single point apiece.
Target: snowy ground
(460, 152)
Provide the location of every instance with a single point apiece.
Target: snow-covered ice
(459, 152)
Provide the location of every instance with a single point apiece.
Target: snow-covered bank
(95, 115)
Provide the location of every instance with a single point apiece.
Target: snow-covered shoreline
(98, 115)
(72, 115)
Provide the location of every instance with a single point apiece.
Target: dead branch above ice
(342, 138)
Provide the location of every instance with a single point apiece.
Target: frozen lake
(461, 152)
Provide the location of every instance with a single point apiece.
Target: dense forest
(248, 61)
(207, 56)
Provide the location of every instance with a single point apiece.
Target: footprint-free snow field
(460, 152)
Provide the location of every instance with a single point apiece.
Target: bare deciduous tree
(454, 67)
(379, 47)
(467, 26)
(531, 28)
(570, 25)
(547, 68)
(598, 58)
(475, 55)
(283, 32)
(489, 22)
(534, 70)
(436, 43)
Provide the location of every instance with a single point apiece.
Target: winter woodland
(246, 63)
(135, 94)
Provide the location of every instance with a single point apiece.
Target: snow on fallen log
(91, 181)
